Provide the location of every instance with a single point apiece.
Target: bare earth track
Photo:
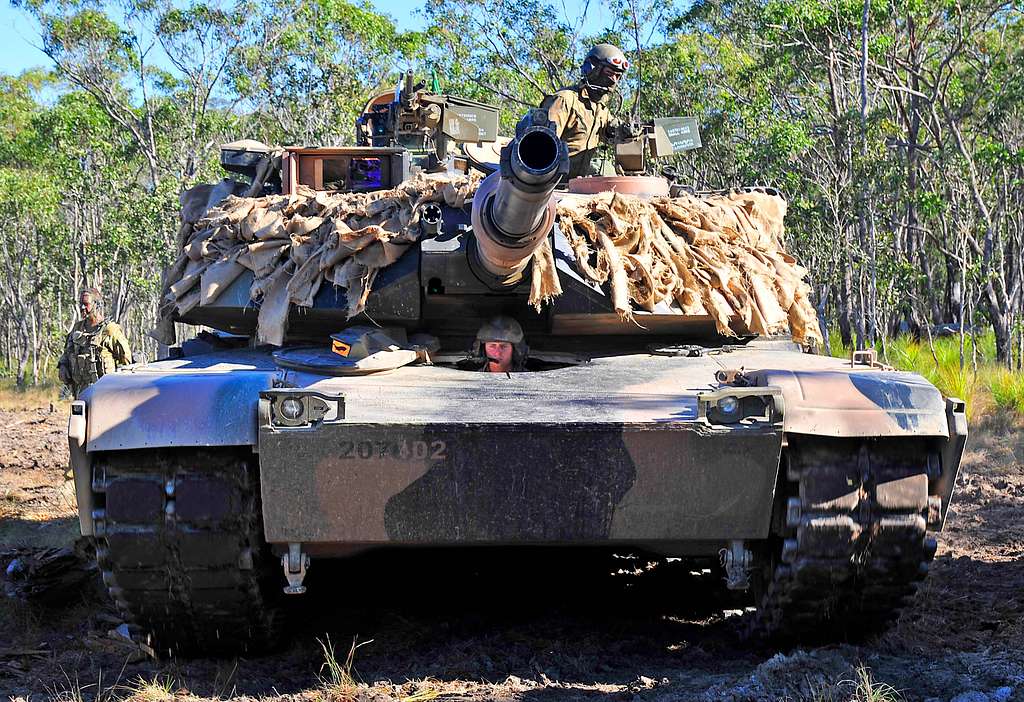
(530, 629)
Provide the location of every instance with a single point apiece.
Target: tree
(312, 71)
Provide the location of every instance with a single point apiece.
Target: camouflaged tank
(214, 479)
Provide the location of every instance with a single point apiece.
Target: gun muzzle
(513, 209)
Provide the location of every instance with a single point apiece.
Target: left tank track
(852, 538)
(180, 547)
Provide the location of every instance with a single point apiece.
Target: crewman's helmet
(599, 58)
(503, 328)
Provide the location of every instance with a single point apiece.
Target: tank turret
(514, 210)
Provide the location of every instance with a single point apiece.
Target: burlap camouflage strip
(294, 243)
(719, 256)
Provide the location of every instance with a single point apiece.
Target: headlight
(295, 408)
(729, 406)
(733, 405)
(291, 408)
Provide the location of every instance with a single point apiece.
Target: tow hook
(737, 561)
(295, 563)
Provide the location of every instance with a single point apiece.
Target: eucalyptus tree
(154, 66)
(312, 68)
(29, 208)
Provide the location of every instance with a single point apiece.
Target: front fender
(153, 410)
(859, 403)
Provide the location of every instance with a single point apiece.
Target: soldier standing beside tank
(501, 345)
(582, 116)
(94, 347)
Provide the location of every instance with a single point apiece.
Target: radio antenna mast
(635, 112)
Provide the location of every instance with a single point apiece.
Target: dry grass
(9, 503)
(866, 689)
(995, 445)
(141, 690)
(337, 679)
(428, 689)
(15, 399)
(155, 690)
(861, 687)
(73, 690)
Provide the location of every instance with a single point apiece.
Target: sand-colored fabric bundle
(720, 256)
(294, 243)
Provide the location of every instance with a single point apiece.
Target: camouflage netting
(719, 256)
(293, 243)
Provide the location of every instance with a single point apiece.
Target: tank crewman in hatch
(94, 347)
(582, 117)
(501, 345)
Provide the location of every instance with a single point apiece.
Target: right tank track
(180, 548)
(852, 537)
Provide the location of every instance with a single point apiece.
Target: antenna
(635, 111)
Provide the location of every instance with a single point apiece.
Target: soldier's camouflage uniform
(90, 352)
(581, 118)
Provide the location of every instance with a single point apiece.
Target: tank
(214, 479)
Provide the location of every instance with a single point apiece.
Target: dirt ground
(426, 630)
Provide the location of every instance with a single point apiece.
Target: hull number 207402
(404, 450)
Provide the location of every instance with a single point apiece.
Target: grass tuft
(426, 690)
(866, 689)
(1006, 389)
(155, 690)
(338, 678)
(72, 690)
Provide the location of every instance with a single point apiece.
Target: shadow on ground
(538, 627)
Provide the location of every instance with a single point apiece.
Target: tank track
(853, 538)
(179, 544)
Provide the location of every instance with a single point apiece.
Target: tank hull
(618, 449)
(818, 485)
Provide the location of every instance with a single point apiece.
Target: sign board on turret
(673, 135)
(455, 127)
(483, 117)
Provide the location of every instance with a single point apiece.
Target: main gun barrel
(513, 209)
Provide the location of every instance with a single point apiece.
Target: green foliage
(974, 375)
(896, 219)
(27, 196)
(318, 68)
(86, 27)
